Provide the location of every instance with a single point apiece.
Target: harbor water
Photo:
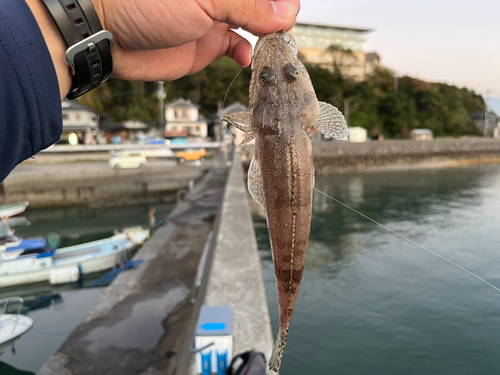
(373, 303)
(57, 310)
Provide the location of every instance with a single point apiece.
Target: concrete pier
(235, 275)
(139, 324)
(144, 322)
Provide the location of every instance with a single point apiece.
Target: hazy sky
(452, 41)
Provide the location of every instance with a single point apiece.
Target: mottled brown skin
(283, 112)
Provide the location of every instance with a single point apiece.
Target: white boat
(7, 236)
(12, 326)
(13, 209)
(33, 260)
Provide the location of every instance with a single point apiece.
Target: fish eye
(291, 72)
(268, 76)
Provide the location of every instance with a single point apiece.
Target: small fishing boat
(7, 236)
(25, 261)
(36, 259)
(12, 325)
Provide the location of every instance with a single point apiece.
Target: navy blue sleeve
(30, 104)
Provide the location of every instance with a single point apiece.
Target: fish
(283, 110)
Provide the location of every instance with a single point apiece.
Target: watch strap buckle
(88, 44)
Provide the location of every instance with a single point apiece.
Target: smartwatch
(89, 46)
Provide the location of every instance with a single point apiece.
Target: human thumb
(258, 16)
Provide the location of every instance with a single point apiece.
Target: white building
(181, 114)
(421, 134)
(81, 120)
(357, 134)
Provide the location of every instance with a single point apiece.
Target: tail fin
(279, 347)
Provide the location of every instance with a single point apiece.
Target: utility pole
(485, 120)
(346, 111)
(396, 82)
(161, 97)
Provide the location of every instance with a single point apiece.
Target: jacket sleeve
(30, 104)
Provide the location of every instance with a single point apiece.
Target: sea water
(373, 303)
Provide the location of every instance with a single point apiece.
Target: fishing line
(406, 238)
(376, 222)
(236, 76)
(410, 241)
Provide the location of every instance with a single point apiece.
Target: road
(103, 166)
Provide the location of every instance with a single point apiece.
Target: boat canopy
(30, 244)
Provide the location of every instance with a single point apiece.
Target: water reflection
(57, 310)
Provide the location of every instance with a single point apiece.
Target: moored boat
(12, 326)
(34, 260)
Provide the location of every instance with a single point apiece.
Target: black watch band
(89, 46)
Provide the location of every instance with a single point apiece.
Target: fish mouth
(279, 39)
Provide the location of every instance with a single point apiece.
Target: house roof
(135, 125)
(181, 103)
(232, 108)
(75, 106)
(112, 127)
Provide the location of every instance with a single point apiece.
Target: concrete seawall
(334, 156)
(72, 184)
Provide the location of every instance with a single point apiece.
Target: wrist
(55, 44)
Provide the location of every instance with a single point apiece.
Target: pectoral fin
(331, 122)
(255, 182)
(241, 120)
(248, 138)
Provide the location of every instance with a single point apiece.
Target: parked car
(191, 154)
(128, 159)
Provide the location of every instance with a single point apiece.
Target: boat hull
(13, 327)
(91, 257)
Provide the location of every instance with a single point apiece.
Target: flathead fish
(283, 111)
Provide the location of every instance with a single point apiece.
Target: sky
(451, 41)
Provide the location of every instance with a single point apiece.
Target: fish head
(277, 71)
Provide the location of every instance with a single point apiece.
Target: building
(81, 120)
(372, 61)
(421, 134)
(486, 122)
(220, 131)
(313, 41)
(357, 134)
(181, 114)
(124, 132)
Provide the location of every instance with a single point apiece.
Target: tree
(342, 59)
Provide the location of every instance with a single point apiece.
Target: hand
(167, 39)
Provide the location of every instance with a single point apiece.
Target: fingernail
(282, 10)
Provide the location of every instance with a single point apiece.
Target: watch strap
(89, 46)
